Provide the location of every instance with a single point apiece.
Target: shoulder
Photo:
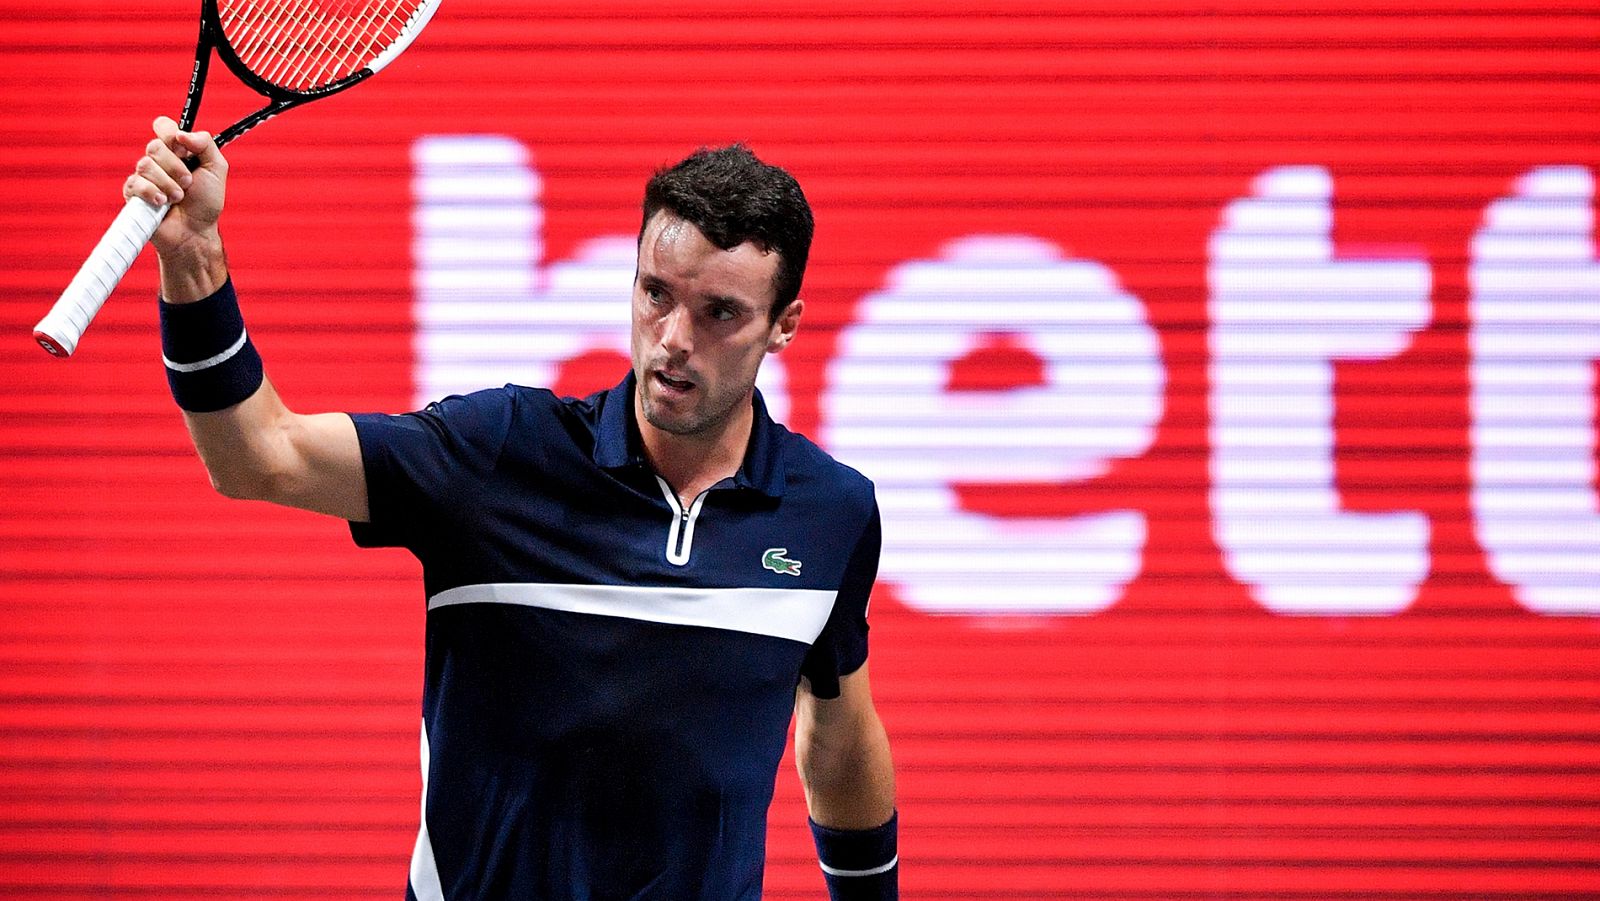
(488, 417)
(484, 403)
(509, 403)
(810, 468)
(547, 426)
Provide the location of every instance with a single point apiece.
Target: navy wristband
(211, 364)
(860, 865)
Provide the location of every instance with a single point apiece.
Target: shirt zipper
(680, 537)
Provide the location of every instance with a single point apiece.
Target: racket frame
(214, 38)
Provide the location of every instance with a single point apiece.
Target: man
(628, 594)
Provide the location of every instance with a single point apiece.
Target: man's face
(701, 325)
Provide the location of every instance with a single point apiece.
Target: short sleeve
(422, 468)
(841, 649)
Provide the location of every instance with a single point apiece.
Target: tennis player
(629, 595)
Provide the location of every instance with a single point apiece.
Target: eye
(723, 314)
(655, 293)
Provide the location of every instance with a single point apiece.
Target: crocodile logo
(775, 560)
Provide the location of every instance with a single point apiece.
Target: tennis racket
(290, 52)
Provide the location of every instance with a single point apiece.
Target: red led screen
(1227, 372)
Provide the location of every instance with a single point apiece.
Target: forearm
(848, 776)
(236, 431)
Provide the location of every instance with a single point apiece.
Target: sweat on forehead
(673, 230)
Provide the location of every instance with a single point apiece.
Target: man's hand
(192, 264)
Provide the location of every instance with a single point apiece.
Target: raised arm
(253, 446)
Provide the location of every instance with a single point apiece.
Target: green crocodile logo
(775, 560)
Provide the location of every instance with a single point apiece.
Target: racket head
(300, 49)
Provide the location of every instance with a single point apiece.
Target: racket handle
(58, 332)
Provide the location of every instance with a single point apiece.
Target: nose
(676, 333)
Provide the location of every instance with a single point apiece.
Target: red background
(209, 698)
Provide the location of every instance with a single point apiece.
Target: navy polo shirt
(610, 676)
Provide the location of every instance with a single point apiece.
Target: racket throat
(197, 77)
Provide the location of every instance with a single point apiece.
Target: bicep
(258, 449)
(325, 469)
(831, 721)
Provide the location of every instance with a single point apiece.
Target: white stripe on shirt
(797, 614)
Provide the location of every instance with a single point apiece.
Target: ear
(784, 329)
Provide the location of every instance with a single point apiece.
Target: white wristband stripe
(834, 871)
(208, 362)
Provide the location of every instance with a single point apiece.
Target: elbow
(242, 484)
(236, 487)
(255, 467)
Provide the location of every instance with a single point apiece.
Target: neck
(693, 463)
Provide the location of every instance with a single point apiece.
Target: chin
(681, 424)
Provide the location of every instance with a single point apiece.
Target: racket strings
(302, 45)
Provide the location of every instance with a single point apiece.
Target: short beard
(696, 422)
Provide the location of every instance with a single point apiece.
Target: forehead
(675, 250)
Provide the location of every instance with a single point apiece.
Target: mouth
(672, 385)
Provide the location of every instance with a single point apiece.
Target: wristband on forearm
(860, 865)
(211, 364)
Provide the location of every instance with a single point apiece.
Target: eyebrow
(650, 280)
(731, 301)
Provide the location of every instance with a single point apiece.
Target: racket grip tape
(59, 331)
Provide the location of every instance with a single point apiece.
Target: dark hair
(732, 197)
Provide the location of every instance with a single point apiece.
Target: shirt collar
(617, 443)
